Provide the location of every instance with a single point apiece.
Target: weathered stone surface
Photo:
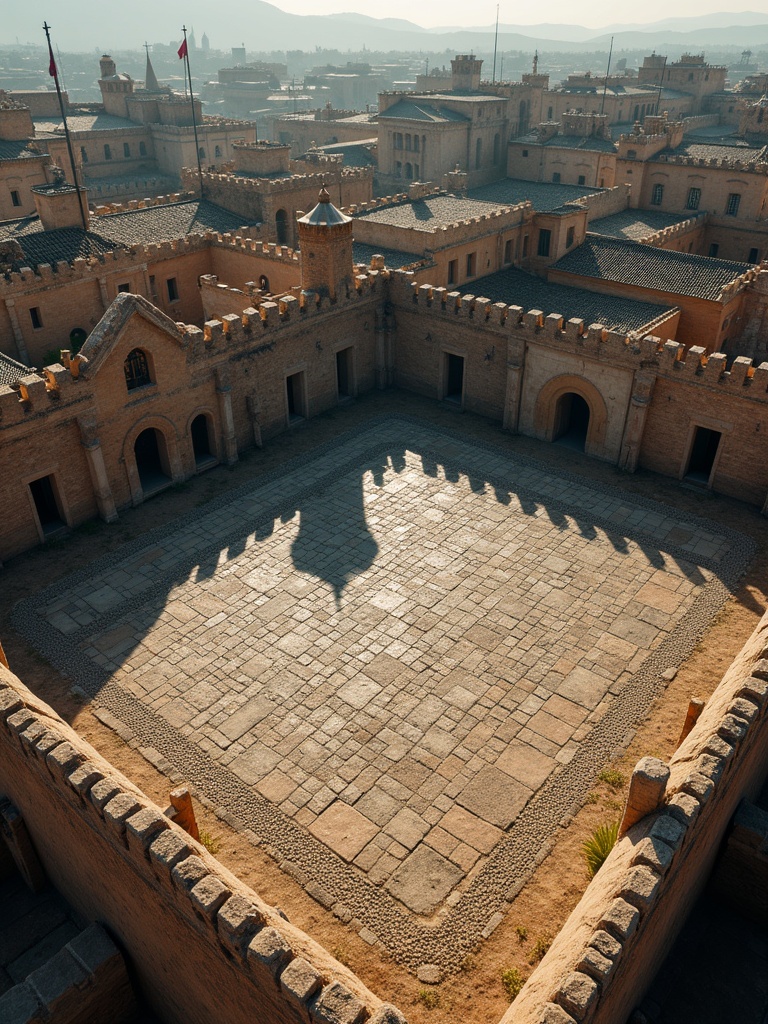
(187, 873)
(300, 980)
(120, 808)
(337, 1005)
(668, 829)
(597, 966)
(577, 993)
(207, 896)
(237, 920)
(620, 919)
(639, 886)
(605, 944)
(684, 807)
(344, 830)
(653, 852)
(554, 1014)
(167, 849)
(495, 797)
(429, 974)
(424, 880)
(269, 948)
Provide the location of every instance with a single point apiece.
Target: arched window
(281, 227)
(478, 152)
(217, 151)
(201, 153)
(136, 370)
(264, 283)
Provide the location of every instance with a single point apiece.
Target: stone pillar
(18, 337)
(642, 389)
(646, 791)
(95, 457)
(103, 292)
(224, 395)
(252, 406)
(515, 370)
(382, 345)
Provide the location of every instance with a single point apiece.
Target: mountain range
(263, 27)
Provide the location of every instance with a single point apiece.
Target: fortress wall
(171, 906)
(603, 204)
(237, 266)
(610, 948)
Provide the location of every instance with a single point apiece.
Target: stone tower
(115, 89)
(465, 73)
(325, 239)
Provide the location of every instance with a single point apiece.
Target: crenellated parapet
(663, 239)
(729, 163)
(105, 209)
(39, 392)
(696, 366)
(260, 186)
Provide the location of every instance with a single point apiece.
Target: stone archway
(151, 457)
(571, 407)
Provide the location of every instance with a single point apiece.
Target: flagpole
(194, 119)
(55, 75)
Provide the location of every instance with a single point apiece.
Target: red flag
(182, 50)
(52, 62)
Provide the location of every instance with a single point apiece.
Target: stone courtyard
(397, 664)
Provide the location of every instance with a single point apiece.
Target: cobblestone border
(380, 919)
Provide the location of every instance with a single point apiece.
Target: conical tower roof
(325, 213)
(151, 83)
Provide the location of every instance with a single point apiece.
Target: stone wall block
(654, 853)
(207, 896)
(237, 922)
(684, 807)
(640, 887)
(337, 1005)
(620, 919)
(269, 951)
(102, 792)
(118, 810)
(577, 994)
(187, 873)
(142, 828)
(84, 777)
(166, 851)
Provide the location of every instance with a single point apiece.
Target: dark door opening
(295, 388)
(281, 227)
(46, 505)
(454, 378)
(571, 422)
(703, 453)
(344, 373)
(201, 442)
(149, 461)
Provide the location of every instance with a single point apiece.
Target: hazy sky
(459, 12)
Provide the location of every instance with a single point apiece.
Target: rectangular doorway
(344, 374)
(454, 378)
(296, 398)
(703, 454)
(47, 505)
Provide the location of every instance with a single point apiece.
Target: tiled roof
(356, 154)
(725, 150)
(393, 258)
(16, 150)
(517, 288)
(417, 110)
(578, 142)
(546, 196)
(116, 231)
(681, 273)
(84, 122)
(11, 371)
(634, 224)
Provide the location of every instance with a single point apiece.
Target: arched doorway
(152, 460)
(201, 441)
(281, 227)
(571, 421)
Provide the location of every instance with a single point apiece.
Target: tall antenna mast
(184, 53)
(52, 71)
(661, 86)
(607, 73)
(495, 43)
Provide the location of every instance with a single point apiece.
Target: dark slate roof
(634, 224)
(578, 142)
(517, 288)
(16, 150)
(418, 110)
(11, 371)
(545, 196)
(430, 213)
(395, 259)
(356, 154)
(89, 121)
(164, 223)
(116, 231)
(681, 273)
(725, 150)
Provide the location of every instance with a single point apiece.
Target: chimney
(58, 205)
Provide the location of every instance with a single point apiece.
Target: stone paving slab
(401, 669)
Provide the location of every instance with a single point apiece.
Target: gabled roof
(416, 110)
(108, 331)
(11, 371)
(644, 266)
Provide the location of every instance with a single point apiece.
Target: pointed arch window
(136, 368)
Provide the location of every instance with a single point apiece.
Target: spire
(151, 83)
(536, 62)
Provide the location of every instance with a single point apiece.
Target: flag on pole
(182, 51)
(51, 62)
